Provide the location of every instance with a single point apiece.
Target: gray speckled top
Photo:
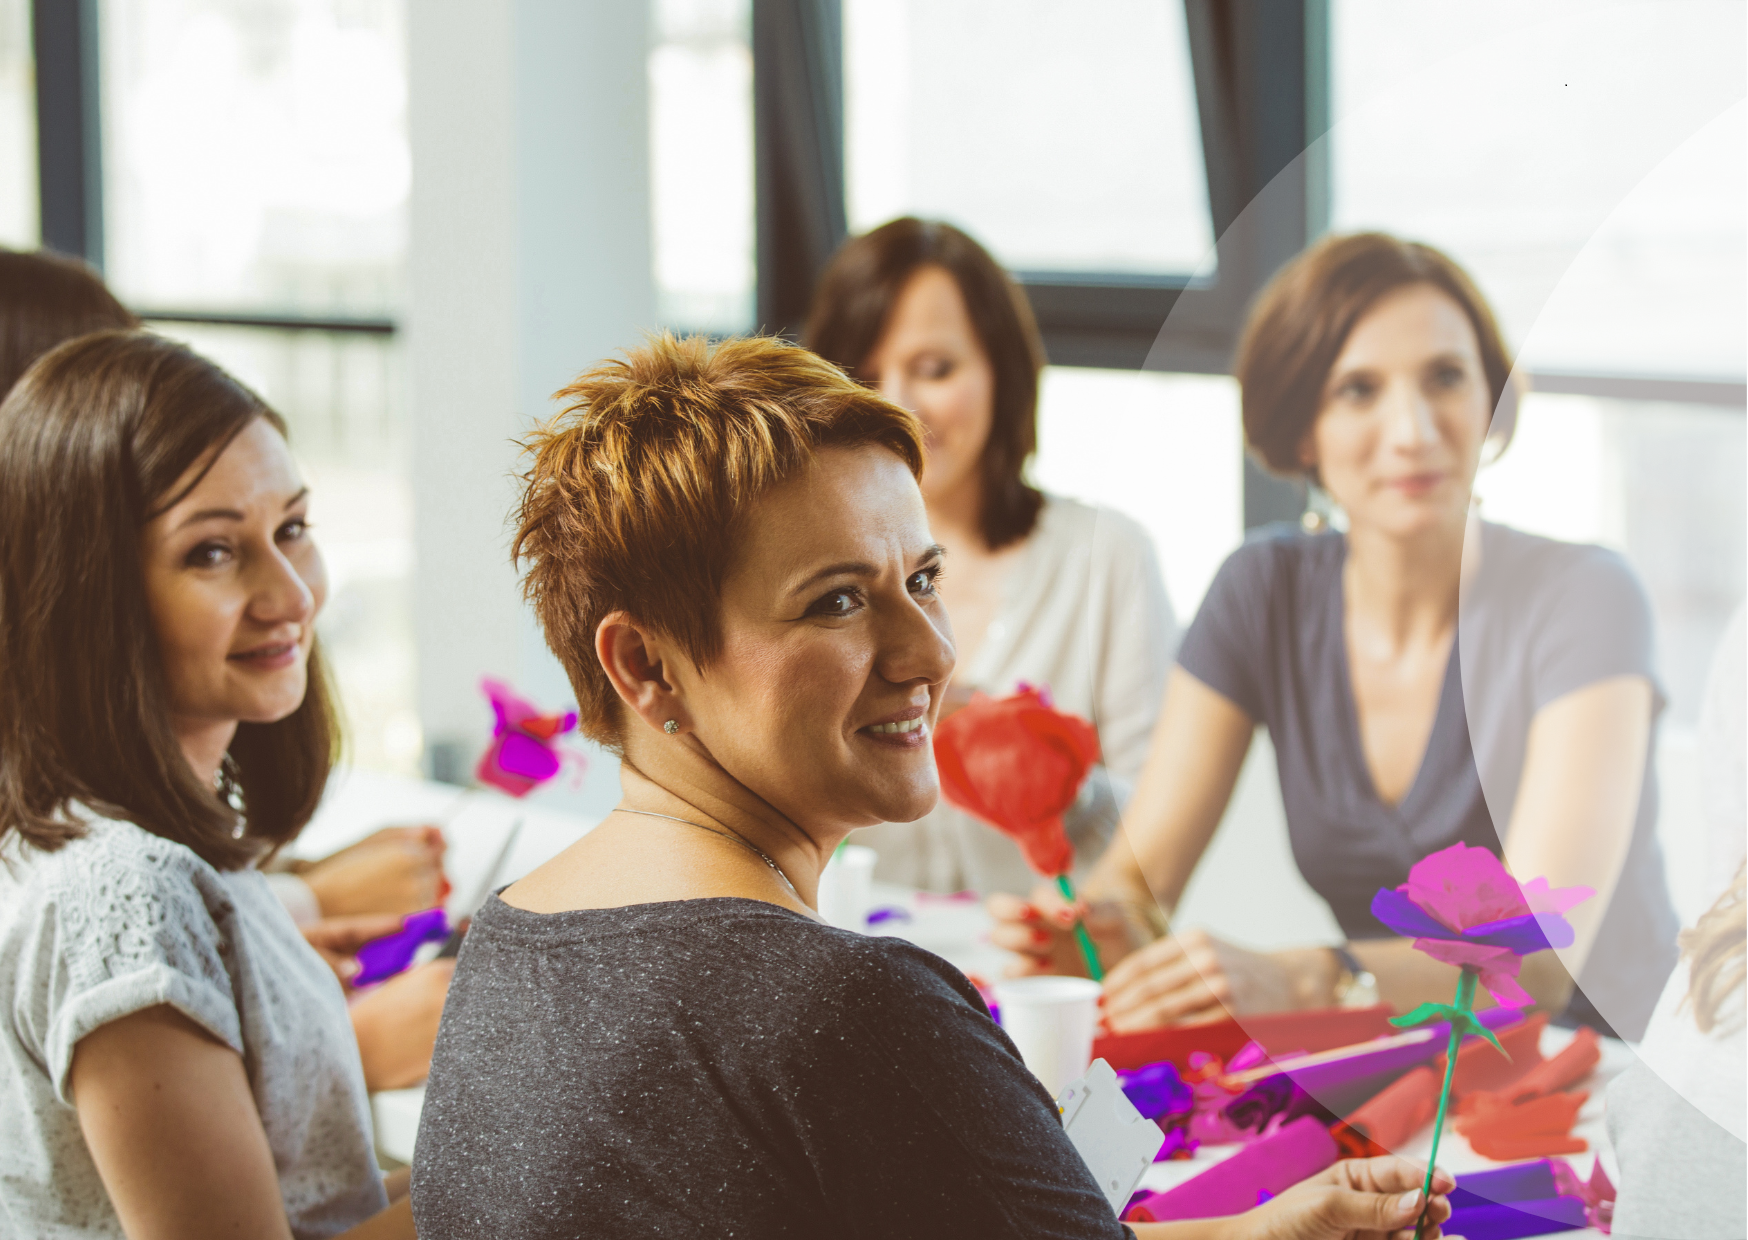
(122, 920)
(725, 1067)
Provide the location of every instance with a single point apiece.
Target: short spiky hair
(636, 491)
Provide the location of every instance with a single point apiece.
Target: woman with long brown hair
(1426, 677)
(1042, 589)
(177, 1059)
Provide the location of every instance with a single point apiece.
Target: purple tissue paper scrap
(387, 956)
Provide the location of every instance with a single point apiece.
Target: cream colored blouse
(1084, 611)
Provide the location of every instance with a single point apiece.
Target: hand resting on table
(394, 870)
(1176, 979)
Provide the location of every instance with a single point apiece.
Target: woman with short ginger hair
(654, 1033)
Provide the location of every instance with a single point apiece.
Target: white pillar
(530, 261)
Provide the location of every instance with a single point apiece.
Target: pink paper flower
(1461, 906)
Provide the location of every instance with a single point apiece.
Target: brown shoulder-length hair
(93, 441)
(854, 302)
(45, 299)
(1302, 318)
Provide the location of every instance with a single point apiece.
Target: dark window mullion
(69, 134)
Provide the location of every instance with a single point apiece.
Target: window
(1661, 483)
(1608, 231)
(256, 167)
(18, 227)
(255, 156)
(1063, 137)
(1164, 449)
(701, 164)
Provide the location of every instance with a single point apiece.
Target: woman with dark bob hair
(1427, 678)
(1046, 590)
(177, 1059)
(654, 1033)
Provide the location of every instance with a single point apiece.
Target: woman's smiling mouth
(906, 729)
(269, 657)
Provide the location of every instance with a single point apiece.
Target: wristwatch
(1355, 986)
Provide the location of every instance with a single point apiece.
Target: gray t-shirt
(725, 1067)
(121, 920)
(1538, 619)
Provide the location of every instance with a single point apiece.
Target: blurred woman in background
(1426, 677)
(1042, 590)
(177, 1059)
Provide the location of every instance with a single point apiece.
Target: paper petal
(1405, 917)
(526, 757)
(1524, 935)
(1463, 886)
(1545, 899)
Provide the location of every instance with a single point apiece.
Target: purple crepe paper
(1321, 1078)
(1157, 1091)
(888, 912)
(387, 956)
(1277, 1162)
(1539, 1195)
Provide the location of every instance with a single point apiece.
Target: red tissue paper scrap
(524, 752)
(1018, 763)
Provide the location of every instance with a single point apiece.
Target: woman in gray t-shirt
(1426, 678)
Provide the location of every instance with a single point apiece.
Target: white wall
(530, 260)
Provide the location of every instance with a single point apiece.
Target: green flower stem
(1094, 969)
(1465, 1003)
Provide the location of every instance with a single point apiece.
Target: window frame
(1261, 75)
(1261, 78)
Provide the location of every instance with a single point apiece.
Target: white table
(476, 825)
(955, 929)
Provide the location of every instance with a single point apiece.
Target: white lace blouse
(121, 920)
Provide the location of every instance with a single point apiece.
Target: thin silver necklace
(727, 833)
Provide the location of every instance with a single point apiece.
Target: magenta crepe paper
(524, 752)
(1271, 1165)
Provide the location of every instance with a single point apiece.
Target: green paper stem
(1094, 969)
(1464, 1005)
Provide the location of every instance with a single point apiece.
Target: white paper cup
(846, 887)
(1052, 1021)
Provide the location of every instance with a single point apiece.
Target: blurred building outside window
(701, 164)
(1064, 138)
(256, 162)
(18, 206)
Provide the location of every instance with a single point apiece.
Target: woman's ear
(1308, 450)
(638, 661)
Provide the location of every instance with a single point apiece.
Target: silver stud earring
(670, 727)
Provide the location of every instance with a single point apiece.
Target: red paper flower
(1017, 763)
